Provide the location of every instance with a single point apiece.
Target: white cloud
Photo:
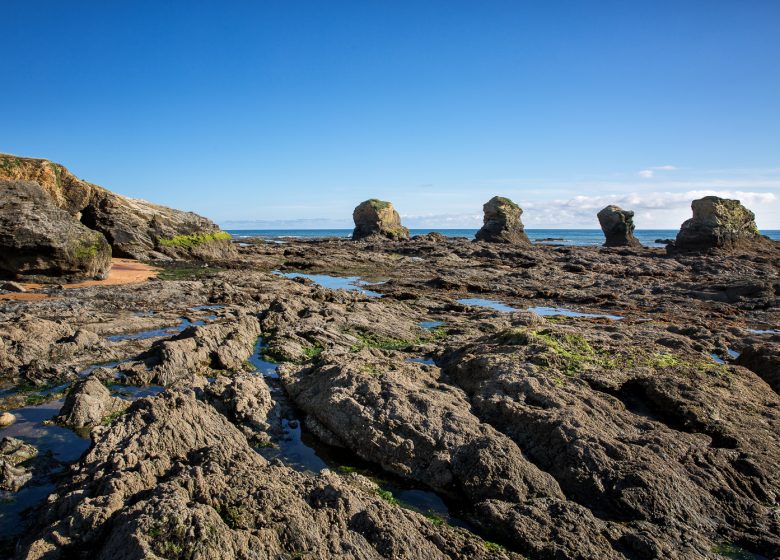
(646, 174)
(658, 210)
(665, 168)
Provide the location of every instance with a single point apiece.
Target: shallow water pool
(488, 303)
(349, 283)
(563, 312)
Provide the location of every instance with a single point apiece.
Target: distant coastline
(579, 237)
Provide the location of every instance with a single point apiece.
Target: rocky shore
(386, 397)
(552, 402)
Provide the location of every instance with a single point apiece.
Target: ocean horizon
(578, 237)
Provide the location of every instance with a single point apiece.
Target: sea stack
(376, 219)
(502, 222)
(39, 239)
(718, 223)
(618, 227)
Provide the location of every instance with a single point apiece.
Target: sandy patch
(123, 271)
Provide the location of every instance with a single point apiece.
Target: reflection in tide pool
(489, 303)
(349, 283)
(62, 444)
(155, 333)
(430, 324)
(426, 361)
(563, 312)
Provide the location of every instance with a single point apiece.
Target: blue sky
(288, 113)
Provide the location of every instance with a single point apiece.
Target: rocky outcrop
(41, 351)
(199, 350)
(502, 223)
(88, 404)
(174, 478)
(39, 239)
(718, 223)
(377, 219)
(134, 228)
(618, 227)
(14, 454)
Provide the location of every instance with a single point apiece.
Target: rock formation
(377, 218)
(718, 223)
(134, 228)
(618, 227)
(88, 404)
(502, 222)
(173, 478)
(37, 238)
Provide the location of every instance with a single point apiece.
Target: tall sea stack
(502, 223)
(377, 219)
(618, 227)
(718, 223)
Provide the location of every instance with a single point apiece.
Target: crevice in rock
(637, 399)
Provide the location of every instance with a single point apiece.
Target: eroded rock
(88, 404)
(718, 223)
(134, 228)
(38, 239)
(377, 218)
(618, 227)
(174, 477)
(502, 223)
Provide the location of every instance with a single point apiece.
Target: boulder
(37, 238)
(377, 218)
(88, 404)
(134, 228)
(618, 227)
(718, 223)
(502, 222)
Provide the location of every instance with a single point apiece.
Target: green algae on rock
(377, 219)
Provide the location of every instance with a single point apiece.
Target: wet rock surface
(14, 454)
(38, 239)
(618, 227)
(502, 223)
(562, 402)
(377, 218)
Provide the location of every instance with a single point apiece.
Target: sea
(648, 237)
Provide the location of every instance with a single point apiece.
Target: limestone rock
(88, 404)
(38, 239)
(502, 223)
(618, 227)
(134, 228)
(718, 223)
(377, 218)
